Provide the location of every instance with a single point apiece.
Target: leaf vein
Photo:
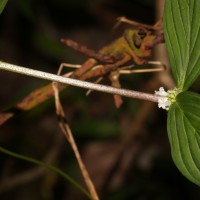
(175, 34)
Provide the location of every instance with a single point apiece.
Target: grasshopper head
(137, 39)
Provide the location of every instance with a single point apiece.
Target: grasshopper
(110, 60)
(134, 45)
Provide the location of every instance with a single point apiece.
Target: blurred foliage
(30, 36)
(2, 5)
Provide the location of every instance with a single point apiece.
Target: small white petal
(161, 92)
(163, 100)
(164, 103)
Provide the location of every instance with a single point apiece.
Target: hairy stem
(78, 83)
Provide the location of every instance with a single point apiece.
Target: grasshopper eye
(137, 40)
(142, 33)
(138, 37)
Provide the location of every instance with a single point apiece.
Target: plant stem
(78, 83)
(48, 166)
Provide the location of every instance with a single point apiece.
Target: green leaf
(184, 134)
(182, 35)
(2, 5)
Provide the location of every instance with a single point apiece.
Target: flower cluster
(166, 98)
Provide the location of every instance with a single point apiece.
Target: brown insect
(134, 45)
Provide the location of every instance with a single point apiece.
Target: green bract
(184, 134)
(182, 35)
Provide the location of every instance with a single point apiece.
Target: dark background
(126, 150)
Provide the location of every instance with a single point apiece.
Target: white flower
(163, 100)
(161, 92)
